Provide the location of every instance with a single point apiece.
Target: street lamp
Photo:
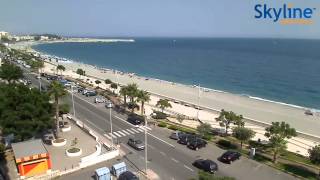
(198, 108)
(111, 126)
(74, 111)
(146, 144)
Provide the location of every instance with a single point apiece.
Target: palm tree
(143, 96)
(114, 86)
(163, 103)
(56, 90)
(97, 82)
(132, 91)
(60, 68)
(80, 72)
(124, 93)
(10, 72)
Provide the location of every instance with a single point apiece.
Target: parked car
(137, 144)
(206, 165)
(109, 104)
(230, 156)
(99, 100)
(186, 139)
(80, 89)
(197, 143)
(47, 138)
(91, 93)
(128, 175)
(176, 135)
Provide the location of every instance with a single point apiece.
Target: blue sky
(132, 18)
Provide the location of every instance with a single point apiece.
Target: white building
(4, 34)
(44, 38)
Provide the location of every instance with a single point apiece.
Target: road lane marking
(115, 133)
(130, 131)
(161, 140)
(141, 130)
(124, 131)
(173, 159)
(188, 167)
(163, 154)
(123, 134)
(106, 135)
(133, 129)
(112, 135)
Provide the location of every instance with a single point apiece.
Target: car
(109, 104)
(186, 139)
(29, 82)
(80, 89)
(206, 165)
(230, 156)
(176, 135)
(91, 93)
(99, 100)
(197, 143)
(136, 144)
(134, 119)
(128, 175)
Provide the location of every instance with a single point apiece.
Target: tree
(64, 109)
(314, 155)
(227, 117)
(10, 72)
(80, 72)
(277, 134)
(60, 68)
(97, 82)
(243, 134)
(37, 65)
(114, 86)
(24, 112)
(132, 92)
(180, 118)
(204, 129)
(107, 81)
(163, 104)
(143, 96)
(202, 175)
(124, 92)
(56, 90)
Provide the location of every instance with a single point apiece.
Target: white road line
(106, 135)
(141, 130)
(173, 159)
(130, 131)
(124, 131)
(161, 140)
(188, 168)
(117, 134)
(162, 153)
(133, 129)
(112, 135)
(124, 121)
(123, 134)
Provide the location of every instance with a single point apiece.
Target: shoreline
(255, 108)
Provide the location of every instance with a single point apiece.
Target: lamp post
(74, 111)
(111, 127)
(198, 108)
(39, 78)
(146, 144)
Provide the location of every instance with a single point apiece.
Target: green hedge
(226, 144)
(173, 127)
(159, 115)
(162, 124)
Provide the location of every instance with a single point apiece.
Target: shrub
(159, 115)
(226, 144)
(162, 124)
(186, 130)
(173, 127)
(207, 137)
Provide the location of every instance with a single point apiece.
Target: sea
(283, 71)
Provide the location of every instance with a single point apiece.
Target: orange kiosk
(31, 157)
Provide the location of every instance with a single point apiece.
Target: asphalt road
(166, 158)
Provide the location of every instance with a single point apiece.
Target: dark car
(197, 143)
(206, 165)
(135, 119)
(128, 176)
(230, 156)
(137, 144)
(186, 139)
(91, 93)
(176, 135)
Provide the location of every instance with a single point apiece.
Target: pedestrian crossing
(127, 132)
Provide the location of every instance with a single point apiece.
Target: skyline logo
(285, 15)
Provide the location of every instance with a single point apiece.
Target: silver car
(137, 144)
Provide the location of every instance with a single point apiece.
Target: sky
(151, 18)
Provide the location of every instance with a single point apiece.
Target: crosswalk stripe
(140, 129)
(123, 134)
(133, 129)
(107, 136)
(124, 131)
(112, 135)
(130, 131)
(117, 134)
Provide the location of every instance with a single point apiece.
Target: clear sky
(132, 18)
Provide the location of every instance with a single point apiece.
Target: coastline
(255, 108)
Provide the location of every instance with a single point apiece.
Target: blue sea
(282, 70)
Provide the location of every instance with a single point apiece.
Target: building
(31, 158)
(4, 34)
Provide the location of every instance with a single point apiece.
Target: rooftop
(28, 148)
